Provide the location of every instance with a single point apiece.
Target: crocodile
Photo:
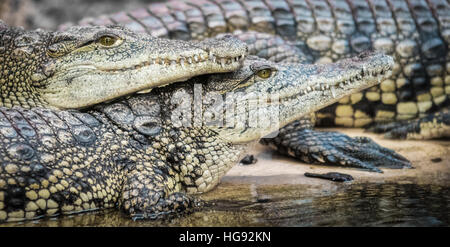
(149, 153)
(83, 66)
(412, 103)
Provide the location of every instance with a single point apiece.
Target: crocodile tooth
(144, 91)
(333, 92)
(222, 61)
(189, 60)
(196, 58)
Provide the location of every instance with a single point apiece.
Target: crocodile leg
(147, 195)
(300, 141)
(432, 126)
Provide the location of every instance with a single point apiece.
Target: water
(293, 205)
(370, 205)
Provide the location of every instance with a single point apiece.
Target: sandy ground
(273, 168)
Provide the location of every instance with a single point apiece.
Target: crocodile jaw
(298, 90)
(81, 81)
(325, 84)
(80, 91)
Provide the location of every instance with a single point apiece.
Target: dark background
(48, 14)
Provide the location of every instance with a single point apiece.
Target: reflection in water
(356, 205)
(370, 205)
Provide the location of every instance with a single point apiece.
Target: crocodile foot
(333, 148)
(150, 194)
(177, 204)
(432, 126)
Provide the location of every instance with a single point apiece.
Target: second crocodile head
(83, 66)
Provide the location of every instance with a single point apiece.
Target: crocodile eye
(107, 40)
(52, 51)
(264, 73)
(57, 50)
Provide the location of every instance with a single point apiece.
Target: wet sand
(273, 168)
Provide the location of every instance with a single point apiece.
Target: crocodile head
(261, 97)
(83, 66)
